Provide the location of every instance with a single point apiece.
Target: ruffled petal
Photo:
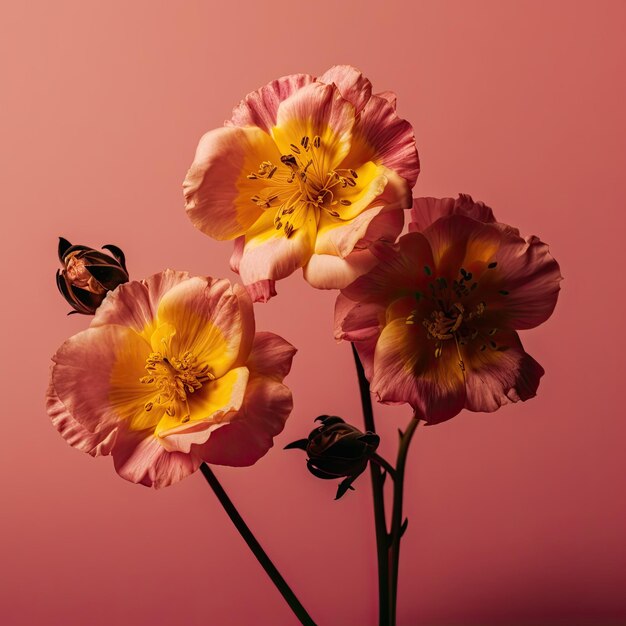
(269, 254)
(340, 237)
(426, 211)
(260, 107)
(96, 377)
(327, 271)
(352, 85)
(498, 376)
(271, 356)
(523, 289)
(316, 110)
(262, 290)
(135, 304)
(381, 136)
(250, 433)
(357, 321)
(95, 444)
(140, 458)
(212, 319)
(406, 370)
(218, 193)
(210, 407)
(390, 96)
(400, 271)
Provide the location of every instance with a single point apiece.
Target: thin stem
(382, 539)
(256, 548)
(396, 517)
(384, 464)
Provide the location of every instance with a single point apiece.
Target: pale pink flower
(307, 173)
(435, 321)
(169, 374)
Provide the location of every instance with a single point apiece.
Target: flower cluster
(313, 173)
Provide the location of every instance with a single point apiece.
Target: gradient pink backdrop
(516, 517)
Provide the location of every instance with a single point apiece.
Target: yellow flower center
(172, 380)
(300, 183)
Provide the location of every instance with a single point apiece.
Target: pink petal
(530, 276)
(327, 271)
(352, 85)
(425, 211)
(135, 304)
(406, 370)
(399, 272)
(140, 458)
(316, 110)
(96, 376)
(340, 238)
(216, 189)
(235, 258)
(381, 136)
(262, 290)
(249, 435)
(269, 254)
(357, 321)
(271, 356)
(98, 443)
(259, 108)
(497, 377)
(208, 315)
(390, 96)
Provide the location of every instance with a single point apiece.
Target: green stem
(256, 548)
(382, 539)
(396, 517)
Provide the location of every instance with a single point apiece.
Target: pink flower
(307, 173)
(435, 321)
(169, 374)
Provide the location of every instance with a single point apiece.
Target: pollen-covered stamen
(173, 380)
(301, 183)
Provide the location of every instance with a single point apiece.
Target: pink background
(516, 518)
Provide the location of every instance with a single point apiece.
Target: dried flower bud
(336, 449)
(88, 275)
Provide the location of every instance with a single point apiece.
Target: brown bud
(88, 275)
(337, 449)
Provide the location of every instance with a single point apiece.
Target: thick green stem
(256, 548)
(382, 539)
(396, 517)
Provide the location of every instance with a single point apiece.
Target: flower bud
(88, 275)
(337, 449)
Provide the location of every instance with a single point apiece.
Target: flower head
(336, 449)
(88, 275)
(307, 173)
(169, 374)
(435, 321)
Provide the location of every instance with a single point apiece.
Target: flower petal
(249, 434)
(140, 458)
(212, 406)
(135, 304)
(259, 108)
(212, 319)
(497, 377)
(381, 136)
(395, 276)
(390, 96)
(269, 254)
(95, 444)
(271, 356)
(406, 370)
(352, 85)
(357, 321)
(96, 376)
(426, 211)
(327, 271)
(316, 110)
(218, 192)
